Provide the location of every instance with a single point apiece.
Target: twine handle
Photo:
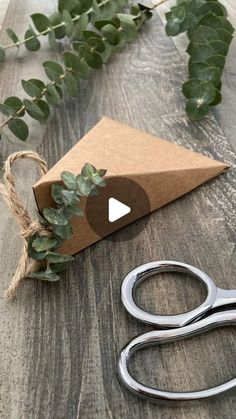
(28, 226)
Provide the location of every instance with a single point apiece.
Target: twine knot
(28, 226)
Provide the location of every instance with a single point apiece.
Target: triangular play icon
(117, 210)
(165, 171)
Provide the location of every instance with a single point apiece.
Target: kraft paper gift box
(165, 171)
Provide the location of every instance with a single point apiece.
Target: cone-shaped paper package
(163, 170)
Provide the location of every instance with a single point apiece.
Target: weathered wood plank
(59, 343)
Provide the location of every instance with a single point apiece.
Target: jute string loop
(28, 226)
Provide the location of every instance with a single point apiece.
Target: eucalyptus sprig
(91, 51)
(210, 34)
(72, 16)
(67, 197)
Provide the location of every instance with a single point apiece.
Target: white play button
(117, 210)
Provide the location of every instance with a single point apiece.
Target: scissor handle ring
(157, 337)
(142, 272)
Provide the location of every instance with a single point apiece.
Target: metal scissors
(218, 309)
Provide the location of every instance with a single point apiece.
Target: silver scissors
(218, 309)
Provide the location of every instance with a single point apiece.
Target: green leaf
(12, 35)
(99, 24)
(71, 85)
(217, 99)
(54, 216)
(70, 180)
(15, 104)
(93, 59)
(52, 39)
(2, 54)
(38, 83)
(216, 61)
(128, 27)
(53, 70)
(71, 60)
(33, 110)
(56, 193)
(66, 16)
(211, 74)
(212, 6)
(67, 5)
(225, 36)
(53, 257)
(196, 110)
(74, 210)
(18, 128)
(97, 44)
(203, 92)
(44, 276)
(195, 68)
(32, 44)
(80, 26)
(204, 35)
(102, 172)
(41, 244)
(189, 87)
(32, 252)
(84, 186)
(31, 89)
(88, 170)
(216, 22)
(64, 232)
(111, 34)
(68, 199)
(98, 180)
(55, 20)
(41, 22)
(44, 109)
(52, 95)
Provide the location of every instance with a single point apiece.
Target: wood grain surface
(59, 342)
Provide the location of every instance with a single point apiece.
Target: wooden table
(59, 343)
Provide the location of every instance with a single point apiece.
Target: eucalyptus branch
(60, 24)
(90, 52)
(210, 34)
(66, 198)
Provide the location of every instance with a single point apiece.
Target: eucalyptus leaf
(14, 103)
(52, 95)
(31, 89)
(12, 35)
(111, 34)
(41, 244)
(128, 26)
(53, 70)
(43, 106)
(71, 85)
(32, 252)
(44, 276)
(53, 257)
(33, 109)
(31, 41)
(41, 22)
(2, 54)
(70, 180)
(18, 128)
(64, 232)
(52, 39)
(57, 22)
(196, 110)
(66, 16)
(54, 216)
